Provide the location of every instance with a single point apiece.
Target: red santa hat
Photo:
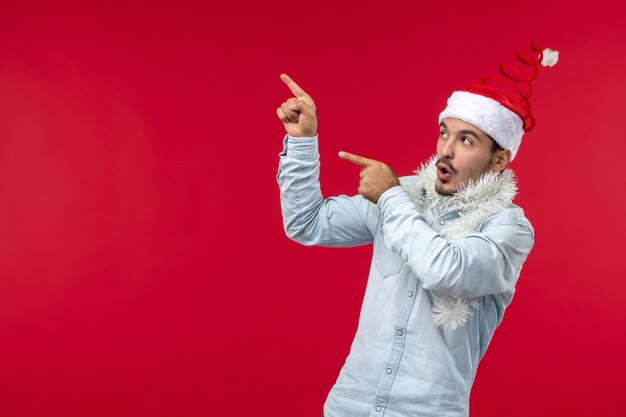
(499, 105)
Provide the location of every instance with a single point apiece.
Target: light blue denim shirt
(400, 363)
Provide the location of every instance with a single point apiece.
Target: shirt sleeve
(482, 263)
(310, 219)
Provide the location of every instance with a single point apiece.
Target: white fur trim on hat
(503, 125)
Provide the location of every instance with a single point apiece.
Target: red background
(144, 270)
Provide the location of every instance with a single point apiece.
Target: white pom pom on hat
(550, 57)
(502, 113)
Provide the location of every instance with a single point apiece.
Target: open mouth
(443, 171)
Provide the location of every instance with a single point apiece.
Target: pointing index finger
(295, 88)
(356, 159)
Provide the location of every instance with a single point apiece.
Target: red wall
(143, 266)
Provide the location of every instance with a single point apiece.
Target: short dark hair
(495, 146)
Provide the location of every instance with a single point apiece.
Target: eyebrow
(462, 132)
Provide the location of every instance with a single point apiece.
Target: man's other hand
(376, 177)
(298, 113)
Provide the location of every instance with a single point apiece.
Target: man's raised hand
(298, 113)
(376, 177)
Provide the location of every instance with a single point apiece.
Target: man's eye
(466, 140)
(443, 134)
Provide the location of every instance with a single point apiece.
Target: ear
(501, 159)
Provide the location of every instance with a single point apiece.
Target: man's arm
(482, 263)
(310, 219)
(307, 217)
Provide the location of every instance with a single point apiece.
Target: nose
(446, 148)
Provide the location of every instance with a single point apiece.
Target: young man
(449, 245)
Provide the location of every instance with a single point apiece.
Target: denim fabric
(400, 363)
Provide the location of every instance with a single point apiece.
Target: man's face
(464, 152)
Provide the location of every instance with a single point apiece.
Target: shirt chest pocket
(386, 261)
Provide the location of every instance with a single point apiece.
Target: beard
(442, 191)
(465, 177)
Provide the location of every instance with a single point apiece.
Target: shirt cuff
(388, 194)
(304, 148)
(393, 199)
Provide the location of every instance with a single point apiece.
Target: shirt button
(378, 408)
(410, 294)
(388, 371)
(442, 222)
(399, 333)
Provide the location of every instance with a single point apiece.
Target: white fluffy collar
(491, 193)
(488, 195)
